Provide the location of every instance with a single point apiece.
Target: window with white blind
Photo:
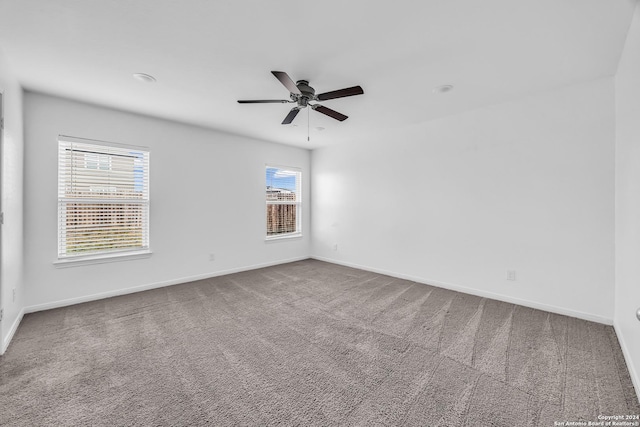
(103, 198)
(284, 199)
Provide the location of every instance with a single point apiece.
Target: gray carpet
(309, 343)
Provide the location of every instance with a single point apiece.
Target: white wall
(207, 196)
(527, 185)
(11, 261)
(627, 293)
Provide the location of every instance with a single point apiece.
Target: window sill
(283, 237)
(101, 259)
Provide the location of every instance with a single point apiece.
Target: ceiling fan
(301, 93)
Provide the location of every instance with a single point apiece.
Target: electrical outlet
(511, 275)
(335, 247)
(212, 257)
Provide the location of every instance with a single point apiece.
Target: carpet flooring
(311, 344)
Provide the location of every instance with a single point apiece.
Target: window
(103, 198)
(283, 198)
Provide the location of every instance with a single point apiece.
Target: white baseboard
(133, 289)
(14, 327)
(477, 292)
(633, 372)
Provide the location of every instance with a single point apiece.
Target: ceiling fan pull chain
(308, 138)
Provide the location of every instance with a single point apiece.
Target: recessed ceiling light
(144, 77)
(443, 89)
(319, 128)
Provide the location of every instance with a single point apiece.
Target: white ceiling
(207, 54)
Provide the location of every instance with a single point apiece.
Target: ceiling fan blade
(263, 101)
(287, 82)
(350, 91)
(329, 112)
(292, 115)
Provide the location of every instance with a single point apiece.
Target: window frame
(108, 255)
(298, 203)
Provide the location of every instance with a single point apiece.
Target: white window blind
(284, 200)
(103, 198)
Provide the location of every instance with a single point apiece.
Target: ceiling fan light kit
(302, 94)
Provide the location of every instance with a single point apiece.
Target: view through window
(103, 198)
(283, 202)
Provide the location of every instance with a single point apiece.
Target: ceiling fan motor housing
(307, 93)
